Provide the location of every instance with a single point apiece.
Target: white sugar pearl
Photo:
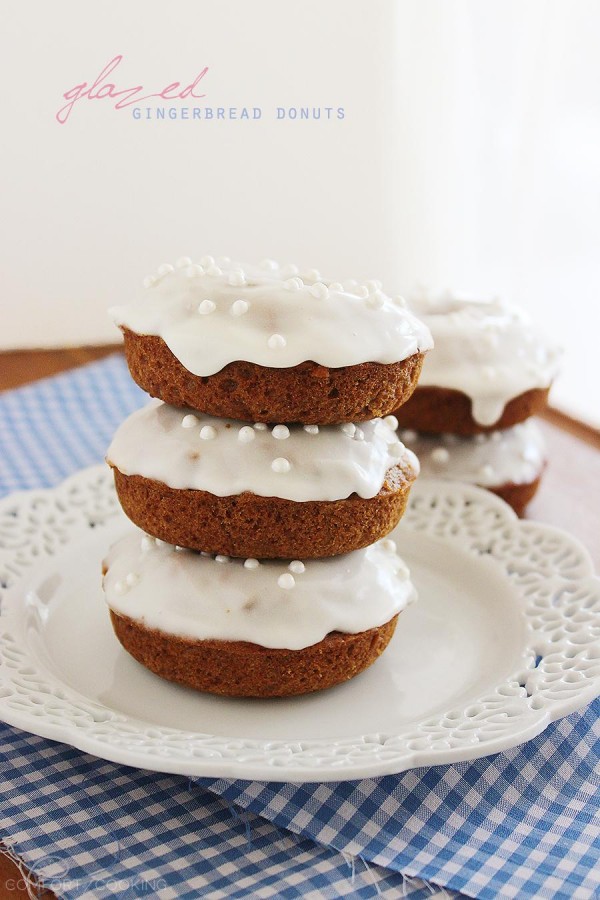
(189, 421)
(214, 271)
(488, 372)
(376, 301)
(409, 436)
(205, 555)
(281, 465)
(260, 426)
(208, 433)
(486, 471)
(349, 428)
(251, 564)
(359, 435)
(220, 558)
(313, 275)
(182, 262)
(396, 449)
(404, 327)
(336, 286)
(389, 545)
(350, 285)
(320, 291)
(362, 291)
(440, 456)
(223, 260)
(207, 307)
(400, 301)
(239, 308)
(193, 271)
(496, 436)
(297, 567)
(294, 284)
(207, 261)
(289, 271)
(391, 421)
(237, 279)
(160, 543)
(246, 434)
(529, 454)
(148, 281)
(269, 265)
(286, 581)
(146, 543)
(165, 268)
(131, 579)
(276, 342)
(120, 588)
(381, 428)
(311, 429)
(374, 285)
(480, 438)
(281, 432)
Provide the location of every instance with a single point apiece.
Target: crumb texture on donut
(437, 410)
(247, 525)
(307, 393)
(240, 669)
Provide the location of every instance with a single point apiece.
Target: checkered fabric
(520, 824)
(94, 829)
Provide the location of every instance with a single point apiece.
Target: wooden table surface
(569, 496)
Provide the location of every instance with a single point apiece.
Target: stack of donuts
(263, 478)
(470, 417)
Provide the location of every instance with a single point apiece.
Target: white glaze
(489, 350)
(292, 463)
(191, 595)
(210, 315)
(515, 455)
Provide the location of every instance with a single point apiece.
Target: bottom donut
(253, 628)
(241, 669)
(509, 463)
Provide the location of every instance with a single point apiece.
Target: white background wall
(468, 157)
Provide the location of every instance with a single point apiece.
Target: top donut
(491, 368)
(271, 344)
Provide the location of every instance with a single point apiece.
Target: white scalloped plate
(504, 639)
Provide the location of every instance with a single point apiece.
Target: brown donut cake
(438, 410)
(517, 495)
(241, 669)
(230, 488)
(509, 463)
(490, 368)
(259, 346)
(253, 629)
(308, 393)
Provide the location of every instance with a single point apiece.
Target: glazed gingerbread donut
(490, 369)
(267, 345)
(250, 628)
(509, 463)
(238, 489)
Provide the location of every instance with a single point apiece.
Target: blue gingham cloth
(520, 824)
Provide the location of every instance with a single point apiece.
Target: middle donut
(236, 489)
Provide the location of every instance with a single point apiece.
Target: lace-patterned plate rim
(551, 636)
